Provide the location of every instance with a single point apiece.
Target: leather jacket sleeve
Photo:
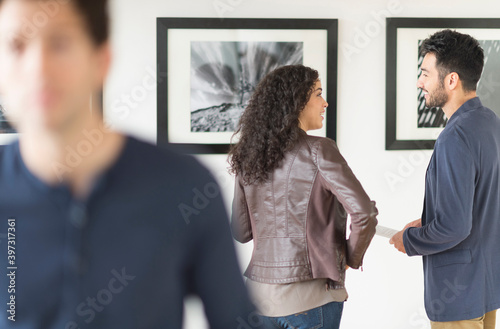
(340, 180)
(241, 227)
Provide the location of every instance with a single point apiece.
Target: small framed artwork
(214, 66)
(409, 124)
(7, 133)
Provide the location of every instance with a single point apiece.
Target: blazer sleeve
(241, 227)
(342, 182)
(454, 183)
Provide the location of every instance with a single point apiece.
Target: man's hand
(415, 223)
(397, 239)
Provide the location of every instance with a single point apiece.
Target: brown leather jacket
(297, 218)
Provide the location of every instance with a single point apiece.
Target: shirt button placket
(78, 218)
(74, 258)
(78, 215)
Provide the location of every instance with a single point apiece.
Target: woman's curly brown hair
(269, 126)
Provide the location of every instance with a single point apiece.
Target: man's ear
(452, 81)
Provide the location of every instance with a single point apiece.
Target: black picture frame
(164, 24)
(393, 25)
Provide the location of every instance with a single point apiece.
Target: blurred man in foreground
(104, 231)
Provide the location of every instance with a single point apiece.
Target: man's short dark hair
(456, 52)
(95, 15)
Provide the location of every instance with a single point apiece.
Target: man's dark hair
(456, 52)
(95, 15)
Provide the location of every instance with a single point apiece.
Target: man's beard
(438, 98)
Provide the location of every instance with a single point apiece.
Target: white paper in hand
(386, 232)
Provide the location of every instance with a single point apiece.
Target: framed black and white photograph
(409, 124)
(7, 133)
(215, 65)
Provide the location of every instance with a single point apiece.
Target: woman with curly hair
(292, 196)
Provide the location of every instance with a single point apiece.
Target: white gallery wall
(388, 293)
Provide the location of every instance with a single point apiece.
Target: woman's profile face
(311, 117)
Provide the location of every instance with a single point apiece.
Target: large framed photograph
(208, 69)
(409, 124)
(7, 133)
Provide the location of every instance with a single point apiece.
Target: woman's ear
(301, 125)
